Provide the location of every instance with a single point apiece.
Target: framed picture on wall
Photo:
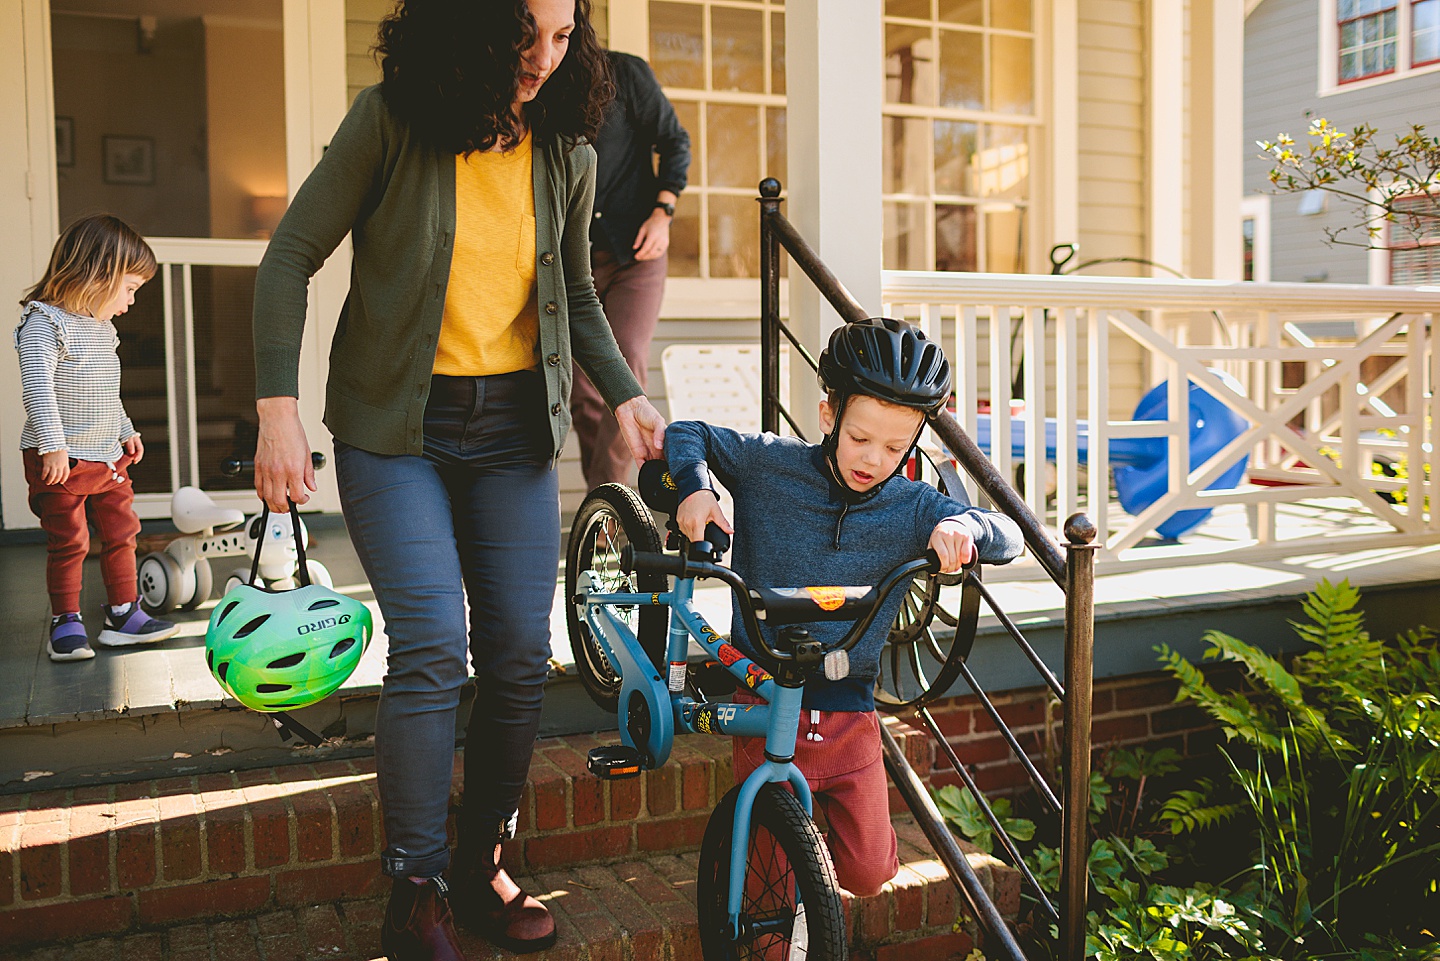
(129, 160)
(64, 141)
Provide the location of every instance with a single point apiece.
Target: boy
(838, 513)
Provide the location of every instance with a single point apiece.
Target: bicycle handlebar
(231, 466)
(681, 566)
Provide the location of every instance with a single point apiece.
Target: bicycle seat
(193, 511)
(803, 605)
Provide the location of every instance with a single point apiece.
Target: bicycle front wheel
(791, 908)
(611, 517)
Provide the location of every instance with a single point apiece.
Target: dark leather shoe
(418, 925)
(490, 903)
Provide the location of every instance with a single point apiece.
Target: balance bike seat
(1213, 425)
(193, 511)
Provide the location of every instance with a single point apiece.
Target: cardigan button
(547, 258)
(555, 409)
(552, 308)
(553, 360)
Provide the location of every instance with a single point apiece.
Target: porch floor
(129, 710)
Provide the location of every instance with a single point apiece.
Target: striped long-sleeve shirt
(70, 384)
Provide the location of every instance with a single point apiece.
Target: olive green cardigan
(396, 197)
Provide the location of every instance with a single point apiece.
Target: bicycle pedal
(614, 762)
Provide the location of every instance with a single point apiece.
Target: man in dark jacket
(629, 235)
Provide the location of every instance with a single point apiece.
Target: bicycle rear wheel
(786, 857)
(611, 517)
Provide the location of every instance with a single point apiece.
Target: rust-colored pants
(846, 772)
(93, 493)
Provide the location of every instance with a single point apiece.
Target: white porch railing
(1333, 386)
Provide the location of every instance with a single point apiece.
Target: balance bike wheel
(204, 585)
(159, 579)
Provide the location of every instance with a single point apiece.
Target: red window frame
(1413, 61)
(1339, 30)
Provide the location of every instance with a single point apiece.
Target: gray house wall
(1282, 80)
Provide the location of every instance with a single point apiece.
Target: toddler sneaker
(129, 624)
(67, 639)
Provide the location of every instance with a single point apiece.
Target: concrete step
(108, 861)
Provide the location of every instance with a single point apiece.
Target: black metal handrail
(1072, 571)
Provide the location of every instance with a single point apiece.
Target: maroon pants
(92, 494)
(631, 297)
(846, 772)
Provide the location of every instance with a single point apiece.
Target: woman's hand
(954, 543)
(55, 467)
(282, 455)
(642, 427)
(697, 510)
(134, 447)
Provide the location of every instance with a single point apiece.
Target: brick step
(629, 910)
(112, 859)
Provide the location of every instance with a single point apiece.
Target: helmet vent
(322, 604)
(281, 707)
(341, 646)
(226, 612)
(224, 666)
(253, 626)
(210, 660)
(288, 661)
(271, 688)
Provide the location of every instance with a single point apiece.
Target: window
(1415, 241)
(959, 132)
(1367, 38)
(1376, 41)
(722, 65)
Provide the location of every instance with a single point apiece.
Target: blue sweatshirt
(794, 528)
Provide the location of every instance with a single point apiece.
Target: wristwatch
(668, 208)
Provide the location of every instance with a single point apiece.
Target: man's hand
(282, 455)
(697, 510)
(653, 238)
(134, 447)
(55, 467)
(954, 543)
(642, 427)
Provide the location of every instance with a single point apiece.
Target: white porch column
(834, 80)
(1217, 40)
(1164, 154)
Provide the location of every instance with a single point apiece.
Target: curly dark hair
(451, 71)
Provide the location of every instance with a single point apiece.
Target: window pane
(962, 80)
(955, 246)
(904, 155)
(777, 53)
(677, 44)
(1346, 9)
(1387, 58)
(964, 11)
(1427, 15)
(224, 372)
(1427, 32)
(918, 9)
(1010, 14)
(775, 139)
(1370, 60)
(905, 247)
(734, 237)
(1370, 29)
(1005, 162)
(1005, 241)
(909, 65)
(732, 149)
(956, 145)
(1010, 87)
(737, 49)
(688, 113)
(1349, 66)
(684, 250)
(180, 129)
(1389, 30)
(1348, 34)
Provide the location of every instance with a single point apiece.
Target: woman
(466, 181)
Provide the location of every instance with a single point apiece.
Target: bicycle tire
(770, 886)
(616, 512)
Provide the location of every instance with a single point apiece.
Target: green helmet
(285, 650)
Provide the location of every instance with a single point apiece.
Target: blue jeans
(476, 516)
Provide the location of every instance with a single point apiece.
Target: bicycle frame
(778, 720)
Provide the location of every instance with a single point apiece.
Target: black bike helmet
(888, 359)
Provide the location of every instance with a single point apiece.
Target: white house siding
(1282, 40)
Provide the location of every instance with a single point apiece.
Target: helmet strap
(288, 727)
(304, 571)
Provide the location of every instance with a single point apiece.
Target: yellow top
(491, 324)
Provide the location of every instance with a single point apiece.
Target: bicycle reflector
(614, 762)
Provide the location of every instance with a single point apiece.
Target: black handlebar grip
(231, 466)
(934, 561)
(647, 562)
(718, 538)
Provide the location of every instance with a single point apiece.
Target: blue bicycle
(766, 887)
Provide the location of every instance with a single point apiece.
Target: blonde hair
(89, 263)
